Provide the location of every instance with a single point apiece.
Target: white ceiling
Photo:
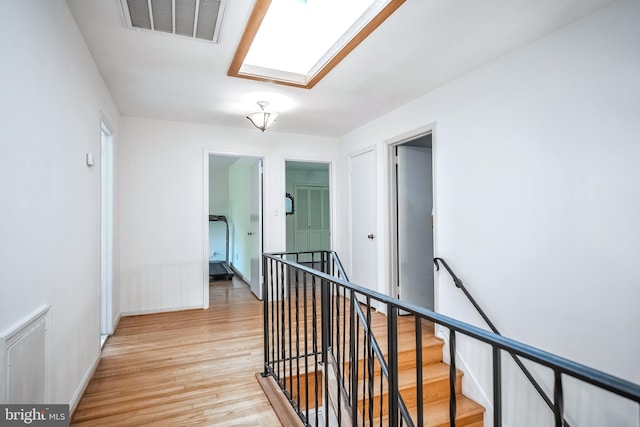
(424, 44)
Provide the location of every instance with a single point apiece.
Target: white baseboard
(160, 310)
(240, 276)
(116, 322)
(77, 396)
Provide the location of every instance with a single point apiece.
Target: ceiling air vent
(199, 19)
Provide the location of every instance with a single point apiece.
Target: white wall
(537, 191)
(162, 236)
(52, 96)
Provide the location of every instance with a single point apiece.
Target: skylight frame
(331, 58)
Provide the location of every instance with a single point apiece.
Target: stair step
(435, 386)
(436, 414)
(431, 354)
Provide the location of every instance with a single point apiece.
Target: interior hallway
(194, 367)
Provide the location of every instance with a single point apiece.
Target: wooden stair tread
(436, 414)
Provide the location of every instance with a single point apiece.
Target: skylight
(296, 42)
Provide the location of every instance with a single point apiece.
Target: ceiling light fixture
(263, 119)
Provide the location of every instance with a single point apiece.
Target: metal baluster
(288, 281)
(392, 336)
(274, 306)
(282, 326)
(265, 314)
(353, 359)
(370, 378)
(306, 347)
(298, 341)
(315, 342)
(381, 389)
(497, 387)
(325, 290)
(558, 397)
(419, 381)
(452, 378)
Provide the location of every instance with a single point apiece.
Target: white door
(414, 195)
(362, 198)
(255, 228)
(311, 217)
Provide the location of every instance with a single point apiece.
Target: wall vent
(200, 19)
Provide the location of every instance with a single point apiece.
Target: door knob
(370, 236)
(249, 234)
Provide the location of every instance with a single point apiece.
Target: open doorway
(106, 232)
(412, 228)
(233, 233)
(308, 218)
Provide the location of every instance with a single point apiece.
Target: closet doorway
(412, 225)
(309, 218)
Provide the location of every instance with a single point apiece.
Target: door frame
(107, 227)
(390, 249)
(333, 226)
(205, 211)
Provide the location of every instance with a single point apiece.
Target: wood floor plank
(187, 368)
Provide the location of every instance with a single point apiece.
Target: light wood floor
(193, 367)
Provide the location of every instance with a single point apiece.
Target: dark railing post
(497, 388)
(419, 381)
(452, 378)
(392, 333)
(558, 398)
(353, 359)
(325, 318)
(265, 303)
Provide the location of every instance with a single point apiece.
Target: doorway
(308, 221)
(412, 228)
(234, 228)
(106, 232)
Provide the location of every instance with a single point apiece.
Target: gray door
(415, 232)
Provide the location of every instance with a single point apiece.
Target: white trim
(333, 196)
(17, 332)
(82, 388)
(206, 153)
(107, 226)
(116, 321)
(160, 310)
(389, 250)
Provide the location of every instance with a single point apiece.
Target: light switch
(90, 160)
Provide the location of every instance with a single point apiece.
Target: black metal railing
(527, 373)
(320, 346)
(329, 352)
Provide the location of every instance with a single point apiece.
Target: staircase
(435, 385)
(312, 316)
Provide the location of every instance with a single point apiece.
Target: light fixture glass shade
(262, 119)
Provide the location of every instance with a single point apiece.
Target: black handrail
(524, 369)
(274, 275)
